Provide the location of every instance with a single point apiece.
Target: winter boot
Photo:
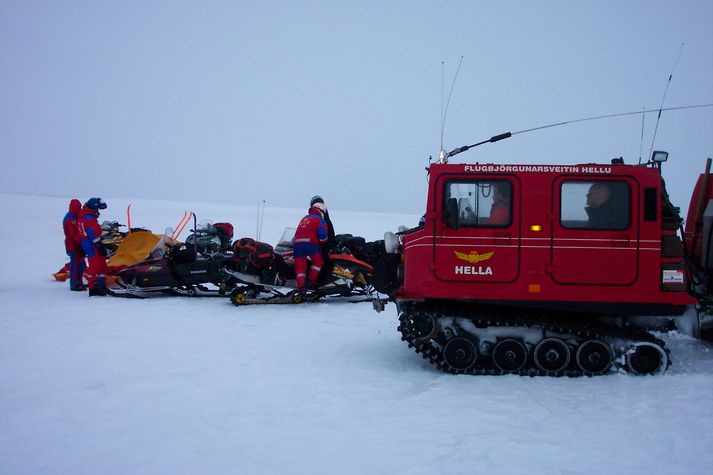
(308, 294)
(96, 291)
(99, 287)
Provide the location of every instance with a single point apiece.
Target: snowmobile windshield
(206, 227)
(288, 236)
(110, 225)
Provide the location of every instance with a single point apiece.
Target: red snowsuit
(72, 234)
(73, 244)
(310, 233)
(92, 232)
(499, 212)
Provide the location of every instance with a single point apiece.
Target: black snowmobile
(182, 268)
(259, 274)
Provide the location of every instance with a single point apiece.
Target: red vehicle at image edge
(551, 269)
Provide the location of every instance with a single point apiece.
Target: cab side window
(600, 204)
(484, 203)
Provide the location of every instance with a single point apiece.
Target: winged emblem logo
(473, 256)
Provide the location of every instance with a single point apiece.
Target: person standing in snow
(331, 239)
(73, 245)
(330, 227)
(92, 245)
(311, 233)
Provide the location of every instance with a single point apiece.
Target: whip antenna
(260, 218)
(507, 135)
(442, 125)
(607, 116)
(641, 141)
(664, 97)
(442, 155)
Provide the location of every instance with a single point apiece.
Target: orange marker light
(536, 228)
(534, 288)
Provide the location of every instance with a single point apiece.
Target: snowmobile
(370, 252)
(176, 268)
(259, 274)
(112, 236)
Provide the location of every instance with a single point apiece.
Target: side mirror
(451, 213)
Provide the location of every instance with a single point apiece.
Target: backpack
(252, 256)
(263, 255)
(244, 243)
(225, 233)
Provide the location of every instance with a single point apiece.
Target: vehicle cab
(588, 238)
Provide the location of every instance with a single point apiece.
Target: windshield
(288, 235)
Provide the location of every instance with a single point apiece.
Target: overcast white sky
(237, 102)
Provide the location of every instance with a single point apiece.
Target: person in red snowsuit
(331, 240)
(93, 247)
(73, 245)
(500, 210)
(311, 233)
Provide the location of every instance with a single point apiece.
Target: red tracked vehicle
(550, 269)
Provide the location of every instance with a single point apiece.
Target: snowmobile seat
(183, 254)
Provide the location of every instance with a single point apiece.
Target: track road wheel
(594, 357)
(509, 355)
(460, 353)
(646, 358)
(297, 298)
(238, 298)
(421, 325)
(552, 354)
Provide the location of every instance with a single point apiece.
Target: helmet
(316, 199)
(95, 203)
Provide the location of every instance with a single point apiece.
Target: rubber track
(506, 319)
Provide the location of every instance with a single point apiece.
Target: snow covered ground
(188, 386)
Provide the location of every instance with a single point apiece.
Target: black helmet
(316, 199)
(96, 204)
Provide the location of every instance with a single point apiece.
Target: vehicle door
(477, 241)
(595, 231)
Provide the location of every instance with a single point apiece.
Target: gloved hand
(101, 249)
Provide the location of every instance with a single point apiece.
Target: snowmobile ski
(253, 291)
